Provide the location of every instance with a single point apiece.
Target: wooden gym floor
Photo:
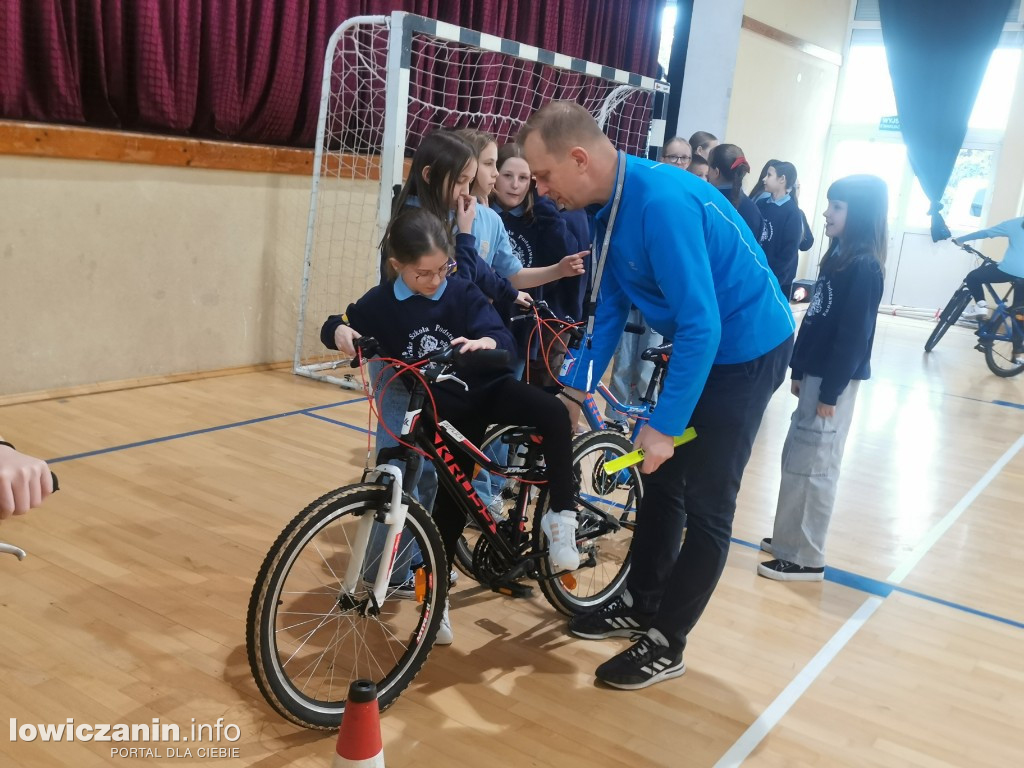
(131, 604)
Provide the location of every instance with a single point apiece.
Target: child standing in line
(419, 310)
(783, 225)
(831, 357)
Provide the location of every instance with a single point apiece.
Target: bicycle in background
(1000, 337)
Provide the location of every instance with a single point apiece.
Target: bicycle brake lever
(10, 549)
(451, 377)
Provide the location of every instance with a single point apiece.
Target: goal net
(390, 80)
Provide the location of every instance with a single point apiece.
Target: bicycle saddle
(660, 353)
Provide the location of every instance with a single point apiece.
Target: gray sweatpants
(811, 459)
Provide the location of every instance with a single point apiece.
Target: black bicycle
(323, 612)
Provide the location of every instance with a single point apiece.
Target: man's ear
(580, 157)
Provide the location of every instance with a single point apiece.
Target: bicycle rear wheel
(308, 638)
(1001, 352)
(949, 316)
(607, 518)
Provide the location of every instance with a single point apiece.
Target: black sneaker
(614, 619)
(766, 545)
(783, 570)
(646, 663)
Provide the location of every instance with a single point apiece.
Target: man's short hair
(562, 125)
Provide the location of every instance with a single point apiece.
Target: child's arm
(482, 321)
(471, 267)
(559, 244)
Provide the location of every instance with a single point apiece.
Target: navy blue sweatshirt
(418, 325)
(780, 239)
(542, 240)
(838, 331)
(747, 210)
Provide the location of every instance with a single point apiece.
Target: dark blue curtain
(938, 51)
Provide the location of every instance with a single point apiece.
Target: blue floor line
(335, 421)
(165, 438)
(884, 589)
(1008, 404)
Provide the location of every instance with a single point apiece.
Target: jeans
(696, 489)
(631, 375)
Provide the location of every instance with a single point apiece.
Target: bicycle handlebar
(477, 359)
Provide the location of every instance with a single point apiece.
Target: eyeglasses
(440, 274)
(676, 159)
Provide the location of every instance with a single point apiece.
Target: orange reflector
(568, 580)
(420, 580)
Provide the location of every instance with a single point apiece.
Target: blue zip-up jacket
(683, 255)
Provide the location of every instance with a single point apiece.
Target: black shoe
(766, 545)
(614, 619)
(783, 570)
(646, 663)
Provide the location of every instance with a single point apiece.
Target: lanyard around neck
(601, 256)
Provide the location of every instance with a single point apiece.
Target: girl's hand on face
(572, 265)
(343, 337)
(471, 345)
(465, 213)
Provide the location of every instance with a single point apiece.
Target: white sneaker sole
(666, 674)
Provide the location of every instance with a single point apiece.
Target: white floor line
(768, 719)
(775, 711)
(953, 515)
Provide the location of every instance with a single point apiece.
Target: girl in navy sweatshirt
(419, 310)
(783, 224)
(727, 167)
(831, 357)
(540, 239)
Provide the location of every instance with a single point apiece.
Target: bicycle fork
(394, 519)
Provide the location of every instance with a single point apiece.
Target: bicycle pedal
(512, 589)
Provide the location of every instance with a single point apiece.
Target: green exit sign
(891, 123)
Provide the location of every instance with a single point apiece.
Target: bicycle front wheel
(1001, 351)
(308, 637)
(949, 316)
(608, 506)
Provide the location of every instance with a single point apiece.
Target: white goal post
(390, 80)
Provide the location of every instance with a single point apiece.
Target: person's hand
(572, 265)
(24, 482)
(574, 409)
(954, 241)
(826, 411)
(524, 299)
(794, 387)
(344, 336)
(472, 345)
(465, 213)
(657, 447)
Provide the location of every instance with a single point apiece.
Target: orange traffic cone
(359, 743)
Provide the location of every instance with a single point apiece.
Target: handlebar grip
(483, 359)
(56, 485)
(637, 328)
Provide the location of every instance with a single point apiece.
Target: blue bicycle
(1000, 337)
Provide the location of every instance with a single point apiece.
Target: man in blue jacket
(671, 245)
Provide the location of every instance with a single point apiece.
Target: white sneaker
(444, 632)
(560, 530)
(976, 311)
(453, 577)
